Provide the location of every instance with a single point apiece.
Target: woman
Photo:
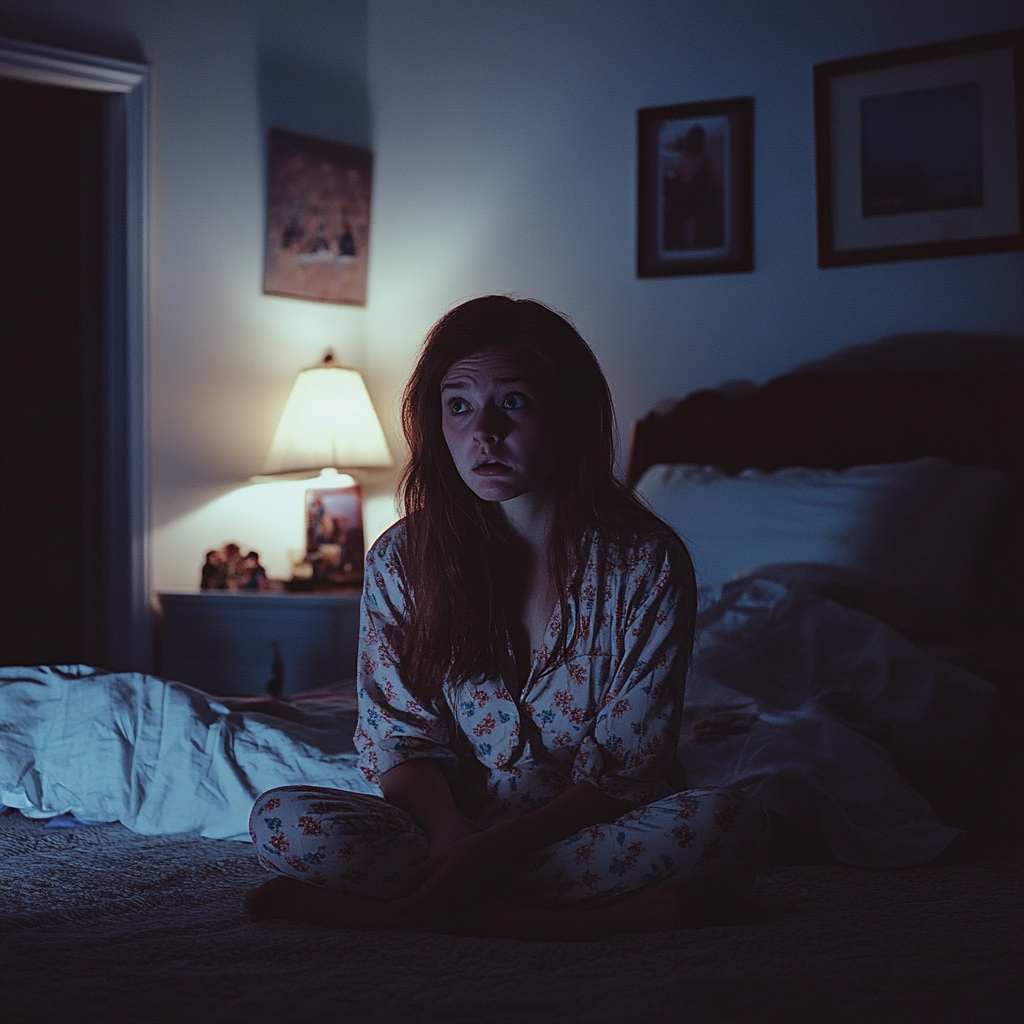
(526, 632)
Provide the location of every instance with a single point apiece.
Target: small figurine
(215, 572)
(227, 569)
(252, 575)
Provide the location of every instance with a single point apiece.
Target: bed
(866, 689)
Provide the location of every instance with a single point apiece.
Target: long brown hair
(460, 555)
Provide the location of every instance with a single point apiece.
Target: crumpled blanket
(796, 699)
(158, 756)
(805, 704)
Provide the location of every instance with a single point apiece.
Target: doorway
(74, 480)
(51, 375)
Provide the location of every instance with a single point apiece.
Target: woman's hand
(448, 832)
(420, 789)
(479, 863)
(465, 863)
(468, 869)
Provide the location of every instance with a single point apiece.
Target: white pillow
(913, 527)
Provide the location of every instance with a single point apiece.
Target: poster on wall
(695, 188)
(318, 219)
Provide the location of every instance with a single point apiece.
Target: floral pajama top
(608, 715)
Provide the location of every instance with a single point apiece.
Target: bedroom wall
(504, 145)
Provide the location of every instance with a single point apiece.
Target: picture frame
(334, 537)
(918, 151)
(318, 219)
(695, 188)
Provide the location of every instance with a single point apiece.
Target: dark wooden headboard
(834, 420)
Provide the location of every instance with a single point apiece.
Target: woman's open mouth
(491, 469)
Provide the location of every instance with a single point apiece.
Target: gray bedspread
(102, 924)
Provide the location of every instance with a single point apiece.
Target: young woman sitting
(526, 630)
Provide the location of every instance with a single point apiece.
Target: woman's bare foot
(293, 900)
(266, 899)
(647, 910)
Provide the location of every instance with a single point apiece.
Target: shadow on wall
(933, 351)
(311, 100)
(71, 34)
(923, 351)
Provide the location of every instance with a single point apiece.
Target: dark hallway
(51, 374)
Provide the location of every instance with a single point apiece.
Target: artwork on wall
(695, 188)
(919, 151)
(318, 219)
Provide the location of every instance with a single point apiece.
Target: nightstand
(236, 641)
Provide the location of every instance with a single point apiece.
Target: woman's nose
(491, 424)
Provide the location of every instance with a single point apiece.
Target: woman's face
(497, 421)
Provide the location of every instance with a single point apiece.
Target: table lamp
(328, 426)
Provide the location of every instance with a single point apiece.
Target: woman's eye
(457, 405)
(515, 400)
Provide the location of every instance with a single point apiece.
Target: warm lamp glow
(329, 421)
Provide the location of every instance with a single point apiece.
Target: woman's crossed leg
(342, 858)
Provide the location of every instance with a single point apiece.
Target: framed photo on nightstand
(334, 536)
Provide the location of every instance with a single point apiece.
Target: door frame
(127, 612)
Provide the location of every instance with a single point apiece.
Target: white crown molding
(47, 65)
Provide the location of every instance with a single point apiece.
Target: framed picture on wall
(919, 151)
(318, 219)
(695, 188)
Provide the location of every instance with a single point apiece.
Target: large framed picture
(695, 188)
(318, 219)
(919, 151)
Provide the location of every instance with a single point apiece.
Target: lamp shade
(329, 421)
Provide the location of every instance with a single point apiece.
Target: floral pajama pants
(363, 845)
